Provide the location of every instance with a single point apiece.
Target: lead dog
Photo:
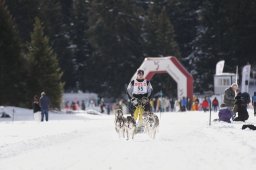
(120, 126)
(130, 126)
(120, 123)
(152, 124)
(118, 114)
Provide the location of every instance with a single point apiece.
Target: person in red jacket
(215, 104)
(205, 105)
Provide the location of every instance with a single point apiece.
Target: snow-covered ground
(89, 142)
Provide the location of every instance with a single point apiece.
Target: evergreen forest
(97, 45)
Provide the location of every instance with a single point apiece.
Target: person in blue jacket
(44, 104)
(254, 103)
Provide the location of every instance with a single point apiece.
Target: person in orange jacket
(205, 105)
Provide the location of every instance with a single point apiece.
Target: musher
(137, 89)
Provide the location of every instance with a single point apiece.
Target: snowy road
(184, 141)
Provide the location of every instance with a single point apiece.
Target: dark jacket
(254, 99)
(36, 107)
(241, 102)
(44, 102)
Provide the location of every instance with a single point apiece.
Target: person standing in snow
(83, 107)
(137, 89)
(215, 104)
(36, 108)
(205, 105)
(189, 104)
(229, 97)
(172, 102)
(183, 104)
(254, 103)
(44, 103)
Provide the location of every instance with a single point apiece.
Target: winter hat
(140, 72)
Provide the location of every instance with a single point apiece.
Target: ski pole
(13, 111)
(210, 114)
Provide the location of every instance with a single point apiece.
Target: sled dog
(130, 126)
(120, 126)
(152, 124)
(145, 117)
(118, 114)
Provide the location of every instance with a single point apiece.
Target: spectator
(73, 106)
(254, 103)
(83, 107)
(158, 105)
(215, 104)
(225, 113)
(241, 101)
(205, 105)
(36, 108)
(229, 96)
(44, 103)
(172, 102)
(183, 104)
(102, 105)
(189, 103)
(195, 104)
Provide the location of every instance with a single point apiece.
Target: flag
(219, 67)
(245, 78)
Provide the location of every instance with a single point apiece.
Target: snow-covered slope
(89, 142)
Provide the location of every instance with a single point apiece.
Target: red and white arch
(170, 65)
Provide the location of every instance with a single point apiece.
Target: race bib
(140, 87)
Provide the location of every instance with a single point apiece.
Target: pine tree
(12, 72)
(24, 12)
(59, 24)
(226, 33)
(81, 47)
(45, 74)
(115, 36)
(159, 40)
(159, 34)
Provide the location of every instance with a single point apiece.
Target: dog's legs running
(154, 134)
(127, 134)
(133, 133)
(123, 133)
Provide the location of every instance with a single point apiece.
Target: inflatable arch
(170, 65)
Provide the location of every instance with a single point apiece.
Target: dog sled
(139, 114)
(141, 122)
(146, 122)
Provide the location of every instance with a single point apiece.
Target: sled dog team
(126, 126)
